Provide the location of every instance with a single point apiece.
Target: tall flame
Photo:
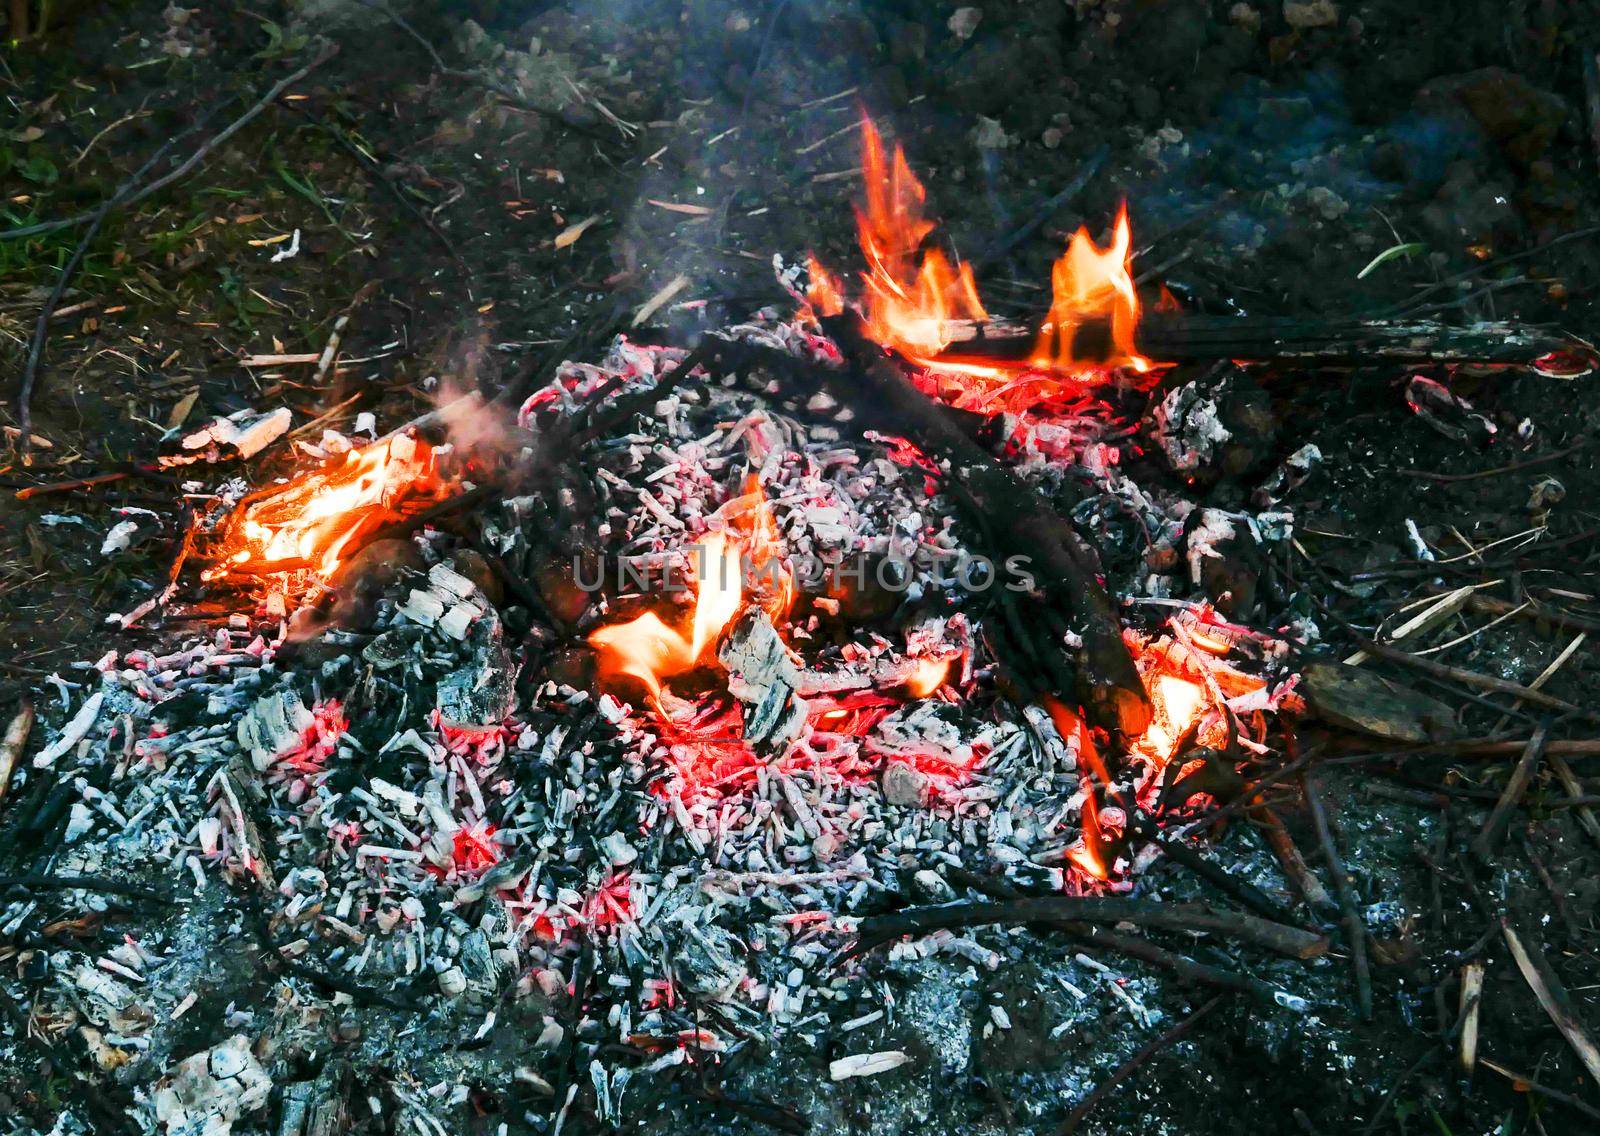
(1089, 283)
(910, 294)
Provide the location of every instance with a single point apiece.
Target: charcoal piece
(763, 675)
(484, 691)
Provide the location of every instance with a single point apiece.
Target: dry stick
(1552, 995)
(1002, 246)
(123, 196)
(1521, 1082)
(106, 885)
(1484, 844)
(16, 740)
(1472, 678)
(1186, 968)
(1471, 1001)
(1294, 865)
(1501, 747)
(1354, 929)
(1134, 1063)
(1563, 771)
(1063, 910)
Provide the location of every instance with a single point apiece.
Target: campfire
(861, 624)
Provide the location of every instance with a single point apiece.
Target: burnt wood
(1184, 338)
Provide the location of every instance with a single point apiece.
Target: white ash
(414, 827)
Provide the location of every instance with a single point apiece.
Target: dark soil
(1266, 164)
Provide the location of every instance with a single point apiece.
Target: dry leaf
(681, 207)
(181, 409)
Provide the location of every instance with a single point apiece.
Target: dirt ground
(435, 183)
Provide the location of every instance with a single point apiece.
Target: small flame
(1088, 856)
(910, 294)
(316, 520)
(650, 650)
(927, 676)
(824, 292)
(1091, 283)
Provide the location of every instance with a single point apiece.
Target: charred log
(1184, 338)
(1022, 522)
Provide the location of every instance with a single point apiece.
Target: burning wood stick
(1552, 995)
(1023, 522)
(1184, 338)
(1067, 911)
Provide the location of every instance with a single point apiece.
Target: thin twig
(1062, 910)
(1524, 1083)
(126, 195)
(1552, 996)
(1355, 930)
(1488, 838)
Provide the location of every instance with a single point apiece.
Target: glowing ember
(312, 524)
(474, 850)
(927, 676)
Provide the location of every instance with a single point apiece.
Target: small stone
(452, 982)
(990, 135)
(1326, 202)
(963, 22)
(903, 785)
(1301, 14)
(1244, 16)
(1051, 137)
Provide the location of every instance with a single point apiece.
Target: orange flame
(1178, 704)
(910, 294)
(913, 298)
(927, 676)
(1089, 283)
(824, 292)
(311, 523)
(1089, 856)
(650, 650)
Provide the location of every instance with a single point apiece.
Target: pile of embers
(550, 767)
